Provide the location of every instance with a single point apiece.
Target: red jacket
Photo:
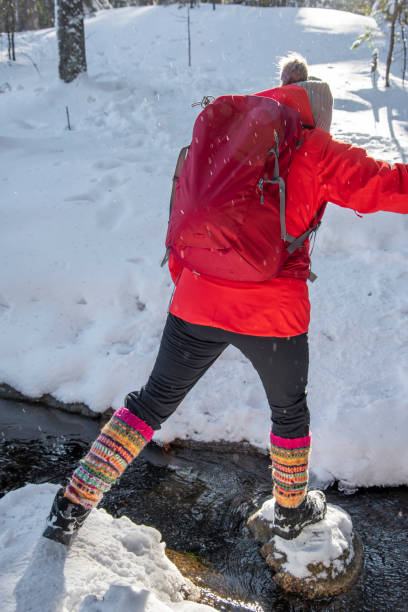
(322, 169)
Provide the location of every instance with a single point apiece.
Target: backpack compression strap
(297, 242)
(276, 179)
(294, 243)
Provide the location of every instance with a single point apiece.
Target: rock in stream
(324, 560)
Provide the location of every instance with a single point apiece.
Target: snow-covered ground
(112, 566)
(84, 212)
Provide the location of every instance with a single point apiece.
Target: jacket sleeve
(350, 178)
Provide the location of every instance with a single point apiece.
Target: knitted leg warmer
(119, 442)
(290, 460)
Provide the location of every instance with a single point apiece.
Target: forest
(19, 15)
(67, 16)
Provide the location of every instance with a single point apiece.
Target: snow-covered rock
(324, 560)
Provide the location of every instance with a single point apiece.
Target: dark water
(199, 496)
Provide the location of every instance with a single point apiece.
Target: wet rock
(324, 560)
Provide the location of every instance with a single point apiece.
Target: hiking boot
(289, 522)
(65, 519)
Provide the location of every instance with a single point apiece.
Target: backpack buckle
(204, 102)
(260, 186)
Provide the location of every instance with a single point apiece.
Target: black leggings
(187, 351)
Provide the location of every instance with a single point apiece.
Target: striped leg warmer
(290, 460)
(119, 442)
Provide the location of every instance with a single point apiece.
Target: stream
(199, 496)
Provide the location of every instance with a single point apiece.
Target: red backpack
(227, 212)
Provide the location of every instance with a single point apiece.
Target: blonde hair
(293, 68)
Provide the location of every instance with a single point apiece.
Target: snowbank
(112, 564)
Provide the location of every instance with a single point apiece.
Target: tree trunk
(11, 47)
(10, 27)
(71, 39)
(394, 18)
(404, 47)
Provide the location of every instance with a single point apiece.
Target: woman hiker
(268, 321)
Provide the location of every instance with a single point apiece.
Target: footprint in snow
(80, 197)
(107, 164)
(135, 260)
(110, 214)
(108, 181)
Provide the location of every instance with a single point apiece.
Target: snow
(111, 565)
(84, 212)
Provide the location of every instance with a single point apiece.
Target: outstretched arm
(352, 179)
